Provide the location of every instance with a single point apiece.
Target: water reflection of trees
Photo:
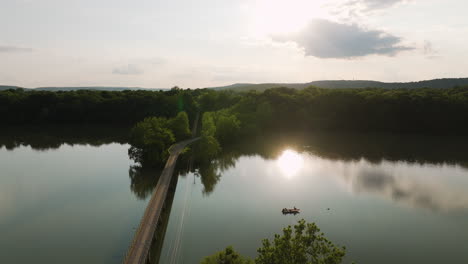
(53, 136)
(143, 180)
(374, 148)
(391, 147)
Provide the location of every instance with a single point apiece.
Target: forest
(228, 116)
(92, 107)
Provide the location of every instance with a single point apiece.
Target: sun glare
(290, 162)
(281, 17)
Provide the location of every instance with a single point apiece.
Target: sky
(205, 43)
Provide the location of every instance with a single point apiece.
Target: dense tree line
(427, 111)
(93, 107)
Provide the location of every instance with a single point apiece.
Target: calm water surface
(71, 204)
(387, 199)
(383, 211)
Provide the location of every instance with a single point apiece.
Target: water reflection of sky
(434, 187)
(428, 186)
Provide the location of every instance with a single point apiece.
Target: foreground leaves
(302, 244)
(227, 256)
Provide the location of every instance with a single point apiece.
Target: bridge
(139, 249)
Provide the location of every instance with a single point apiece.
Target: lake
(74, 196)
(388, 199)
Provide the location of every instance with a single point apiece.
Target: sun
(290, 163)
(282, 17)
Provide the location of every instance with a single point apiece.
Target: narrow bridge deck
(138, 251)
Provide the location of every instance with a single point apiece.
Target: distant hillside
(242, 87)
(8, 87)
(94, 88)
(436, 83)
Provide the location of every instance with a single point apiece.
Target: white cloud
(327, 39)
(371, 5)
(356, 10)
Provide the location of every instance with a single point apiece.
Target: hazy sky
(159, 44)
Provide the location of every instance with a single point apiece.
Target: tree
(306, 245)
(226, 256)
(208, 125)
(227, 127)
(150, 140)
(180, 126)
(207, 147)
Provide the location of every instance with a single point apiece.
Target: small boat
(291, 211)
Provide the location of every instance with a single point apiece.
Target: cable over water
(176, 247)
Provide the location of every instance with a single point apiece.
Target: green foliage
(179, 125)
(226, 256)
(208, 125)
(211, 100)
(304, 245)
(217, 127)
(227, 126)
(427, 111)
(207, 149)
(88, 106)
(422, 110)
(221, 125)
(150, 140)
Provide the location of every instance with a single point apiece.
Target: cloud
(371, 5)
(410, 191)
(130, 69)
(13, 49)
(352, 10)
(327, 39)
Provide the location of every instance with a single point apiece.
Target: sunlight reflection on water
(290, 163)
